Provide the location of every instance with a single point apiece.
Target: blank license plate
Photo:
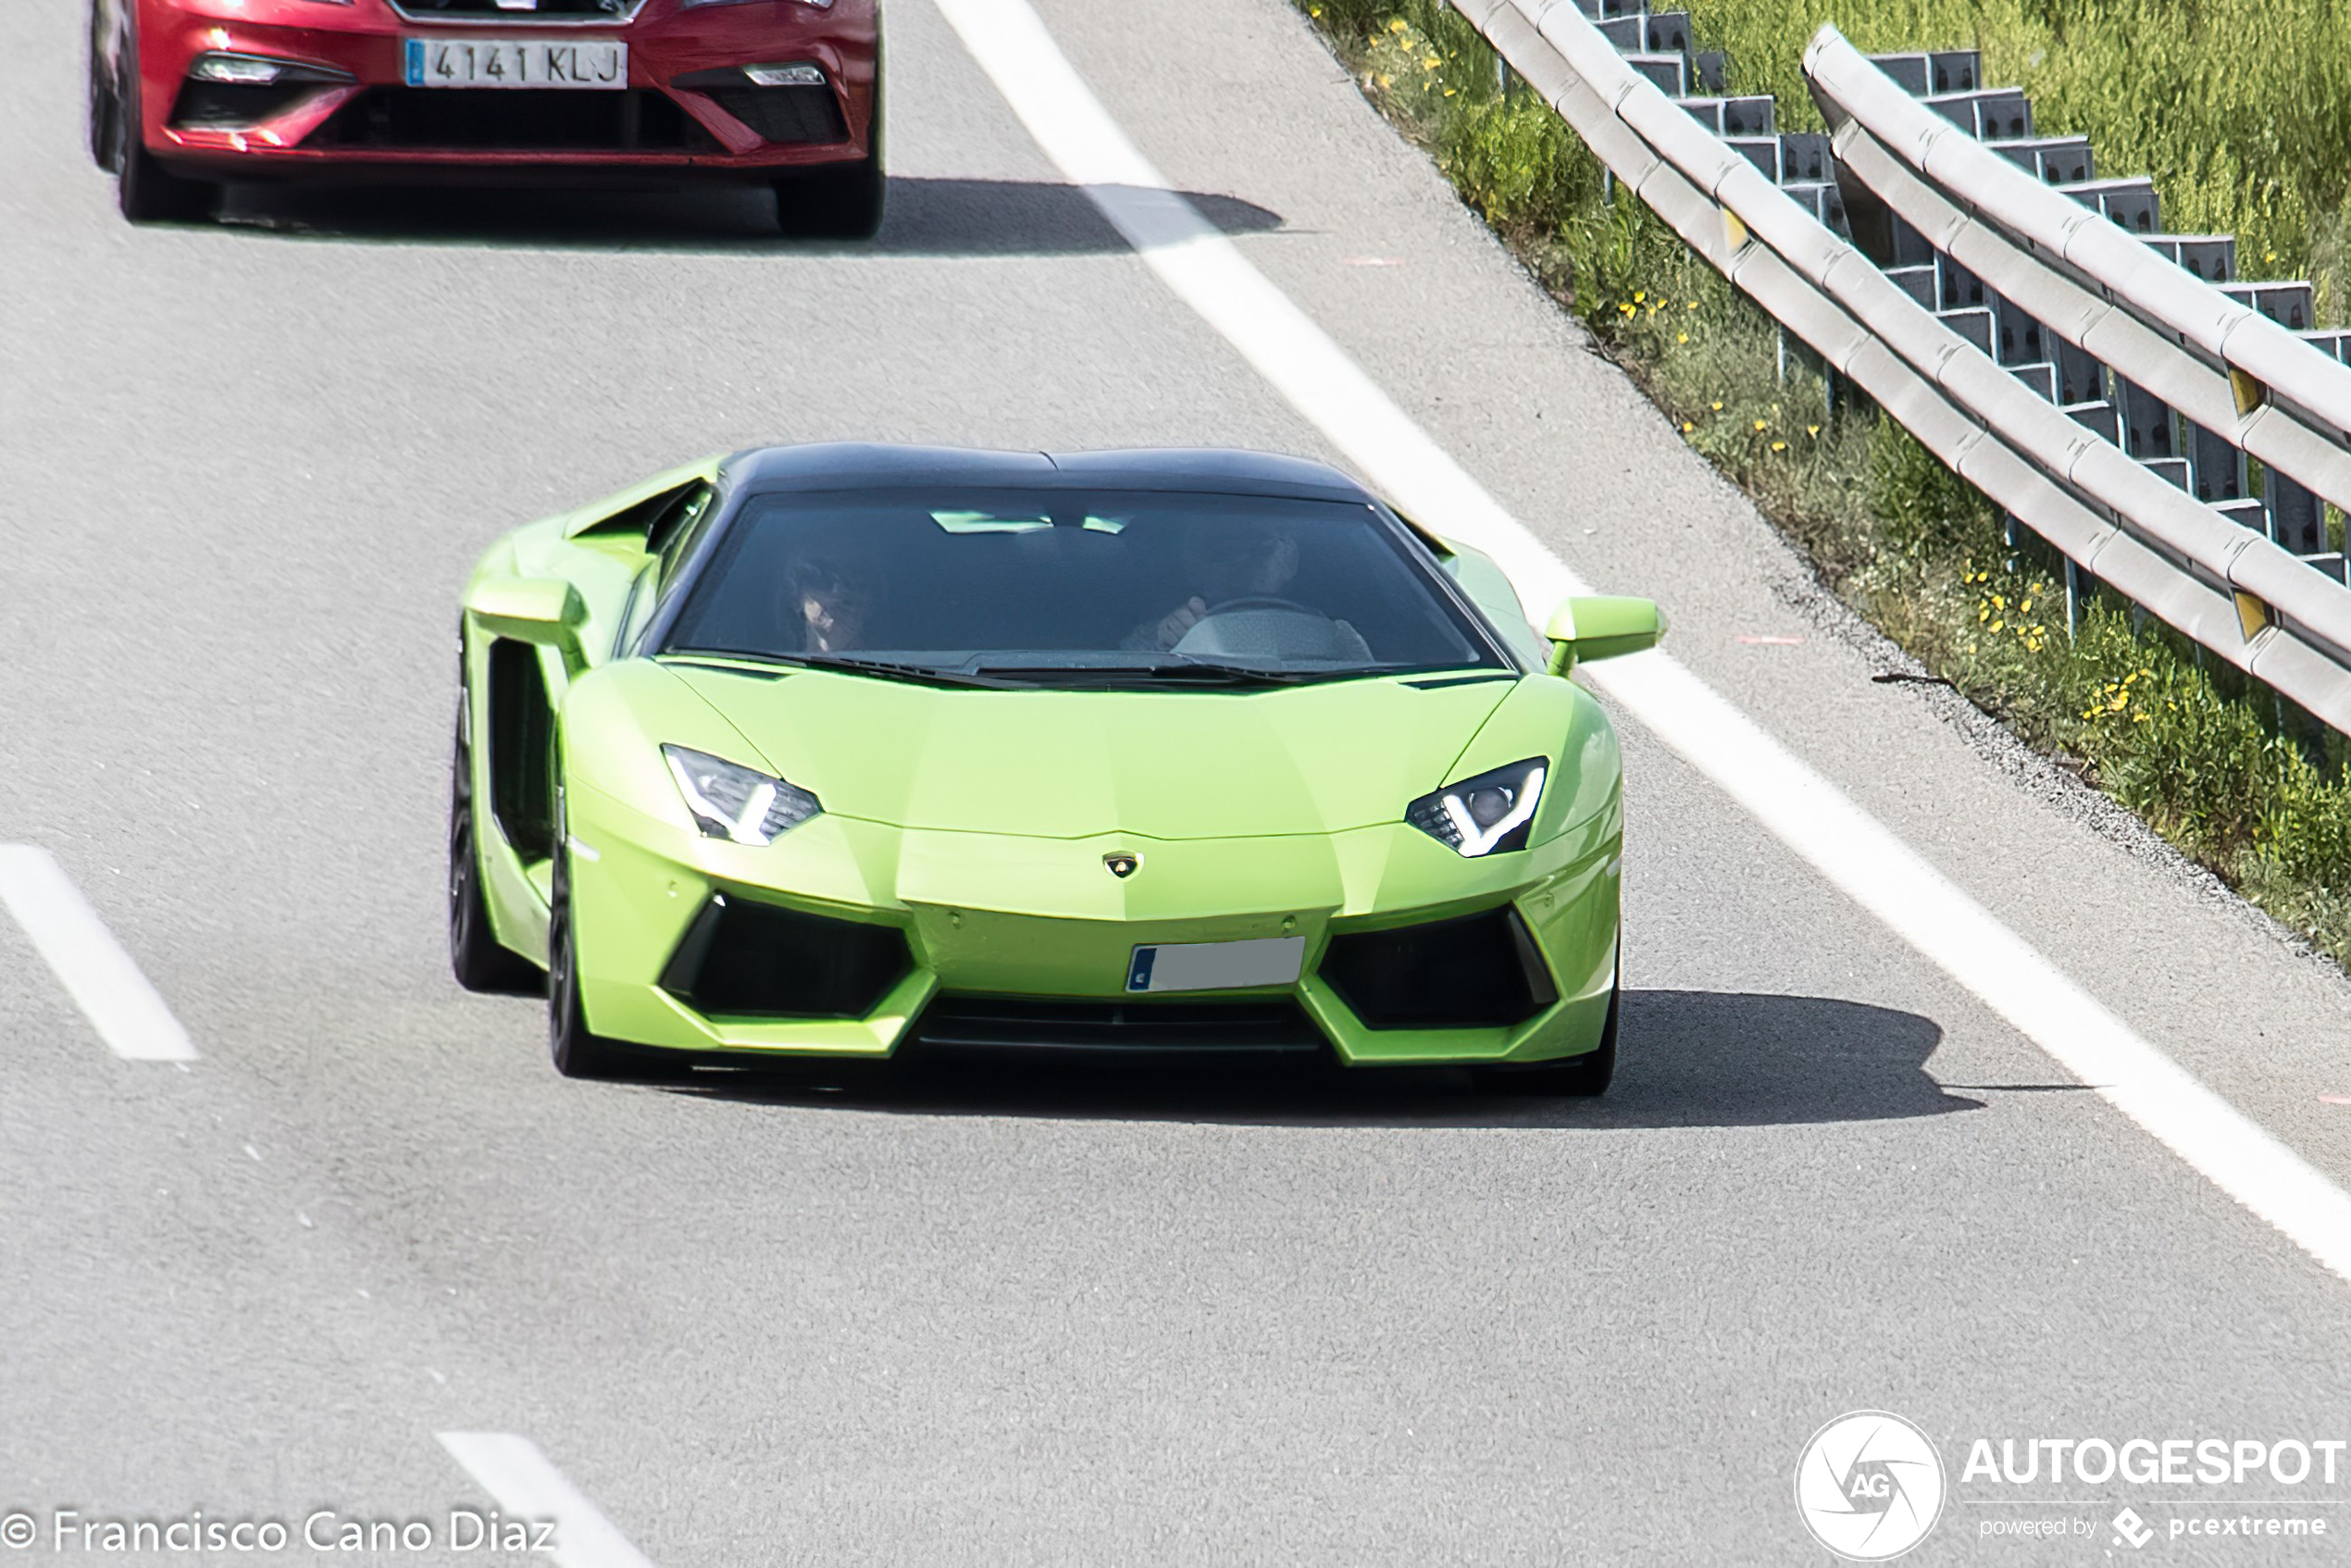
(489, 62)
(1208, 966)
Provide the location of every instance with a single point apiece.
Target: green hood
(1067, 765)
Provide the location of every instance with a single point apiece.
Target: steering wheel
(1264, 601)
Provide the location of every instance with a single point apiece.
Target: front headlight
(258, 70)
(1486, 814)
(730, 800)
(689, 4)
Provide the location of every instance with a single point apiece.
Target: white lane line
(102, 979)
(1799, 805)
(525, 1486)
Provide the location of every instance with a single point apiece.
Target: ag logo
(1870, 1485)
(1121, 864)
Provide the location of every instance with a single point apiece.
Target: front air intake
(1478, 972)
(760, 960)
(491, 119)
(233, 105)
(785, 115)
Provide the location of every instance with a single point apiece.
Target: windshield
(1074, 588)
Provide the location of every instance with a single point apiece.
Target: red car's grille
(580, 11)
(512, 120)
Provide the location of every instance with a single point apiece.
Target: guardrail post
(2295, 521)
(2146, 421)
(2079, 585)
(2218, 467)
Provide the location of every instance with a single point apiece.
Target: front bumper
(973, 920)
(656, 129)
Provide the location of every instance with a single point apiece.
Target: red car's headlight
(260, 70)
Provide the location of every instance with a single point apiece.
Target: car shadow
(1688, 1059)
(926, 219)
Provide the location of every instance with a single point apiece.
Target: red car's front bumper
(370, 120)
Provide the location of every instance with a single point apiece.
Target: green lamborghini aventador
(823, 751)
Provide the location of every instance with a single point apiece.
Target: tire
(577, 1052)
(844, 202)
(833, 204)
(481, 962)
(105, 109)
(147, 192)
(1572, 1077)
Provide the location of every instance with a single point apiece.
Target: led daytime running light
(1476, 841)
(729, 800)
(1492, 813)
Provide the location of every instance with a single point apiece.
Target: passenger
(827, 599)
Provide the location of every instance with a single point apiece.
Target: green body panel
(976, 821)
(1491, 588)
(598, 567)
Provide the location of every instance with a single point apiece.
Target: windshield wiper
(847, 664)
(890, 669)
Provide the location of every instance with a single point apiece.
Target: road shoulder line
(526, 1485)
(103, 979)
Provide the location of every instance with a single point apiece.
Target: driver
(824, 598)
(1223, 560)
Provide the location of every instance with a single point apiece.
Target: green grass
(2239, 110)
(2220, 769)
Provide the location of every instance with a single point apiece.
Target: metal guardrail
(2231, 589)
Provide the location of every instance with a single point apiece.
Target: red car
(186, 95)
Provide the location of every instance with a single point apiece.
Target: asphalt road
(1029, 1318)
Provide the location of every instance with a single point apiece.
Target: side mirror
(1600, 628)
(546, 611)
